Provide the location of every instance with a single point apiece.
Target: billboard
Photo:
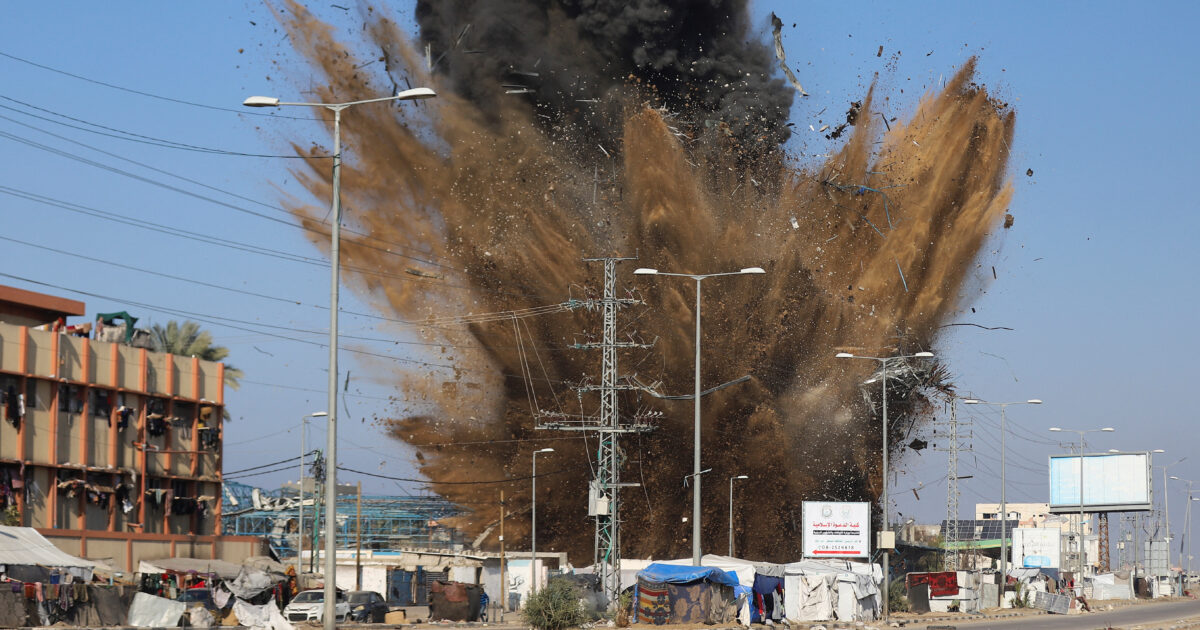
(1037, 547)
(1112, 482)
(836, 529)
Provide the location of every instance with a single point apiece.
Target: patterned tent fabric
(701, 602)
(653, 603)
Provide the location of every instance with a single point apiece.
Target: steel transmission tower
(604, 492)
(952, 555)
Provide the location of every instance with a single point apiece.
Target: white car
(310, 606)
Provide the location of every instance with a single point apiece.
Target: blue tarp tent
(679, 574)
(668, 593)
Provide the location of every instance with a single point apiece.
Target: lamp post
(1003, 488)
(300, 527)
(1187, 523)
(1167, 506)
(533, 525)
(696, 419)
(1082, 548)
(334, 283)
(883, 362)
(731, 511)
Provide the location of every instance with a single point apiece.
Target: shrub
(897, 596)
(555, 607)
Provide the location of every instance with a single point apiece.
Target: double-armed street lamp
(1003, 487)
(883, 362)
(696, 419)
(334, 284)
(1082, 446)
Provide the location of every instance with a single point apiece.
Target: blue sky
(1095, 277)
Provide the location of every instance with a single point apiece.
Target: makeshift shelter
(744, 570)
(26, 556)
(824, 590)
(686, 594)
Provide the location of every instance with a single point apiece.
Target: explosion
(568, 129)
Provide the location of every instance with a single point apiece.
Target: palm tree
(188, 340)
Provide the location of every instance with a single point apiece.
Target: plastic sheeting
(809, 597)
(250, 582)
(678, 574)
(25, 547)
(266, 616)
(832, 589)
(148, 611)
(199, 617)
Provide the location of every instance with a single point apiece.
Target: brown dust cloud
(566, 130)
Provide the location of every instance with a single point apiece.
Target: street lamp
(731, 511)
(1167, 506)
(533, 524)
(644, 271)
(1082, 547)
(1003, 488)
(883, 362)
(300, 527)
(334, 283)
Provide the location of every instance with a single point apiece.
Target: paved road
(1146, 616)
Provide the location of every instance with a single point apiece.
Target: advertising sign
(837, 529)
(1112, 482)
(1037, 547)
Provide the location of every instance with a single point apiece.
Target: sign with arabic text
(837, 529)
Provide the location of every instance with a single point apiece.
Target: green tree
(188, 340)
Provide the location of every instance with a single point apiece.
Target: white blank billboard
(1037, 547)
(1112, 482)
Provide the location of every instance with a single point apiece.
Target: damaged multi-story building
(110, 449)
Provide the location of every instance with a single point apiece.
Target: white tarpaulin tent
(25, 547)
(823, 590)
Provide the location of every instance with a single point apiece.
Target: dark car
(367, 606)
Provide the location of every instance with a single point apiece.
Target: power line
(216, 320)
(148, 94)
(129, 136)
(454, 483)
(284, 211)
(284, 461)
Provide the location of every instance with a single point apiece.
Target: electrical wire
(147, 180)
(284, 461)
(129, 136)
(148, 94)
(454, 483)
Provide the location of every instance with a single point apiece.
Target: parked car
(310, 606)
(367, 606)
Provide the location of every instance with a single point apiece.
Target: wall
(127, 549)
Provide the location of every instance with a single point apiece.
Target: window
(101, 403)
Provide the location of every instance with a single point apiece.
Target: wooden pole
(503, 562)
(358, 542)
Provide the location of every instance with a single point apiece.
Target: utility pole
(358, 541)
(503, 561)
(1102, 518)
(604, 491)
(951, 555)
